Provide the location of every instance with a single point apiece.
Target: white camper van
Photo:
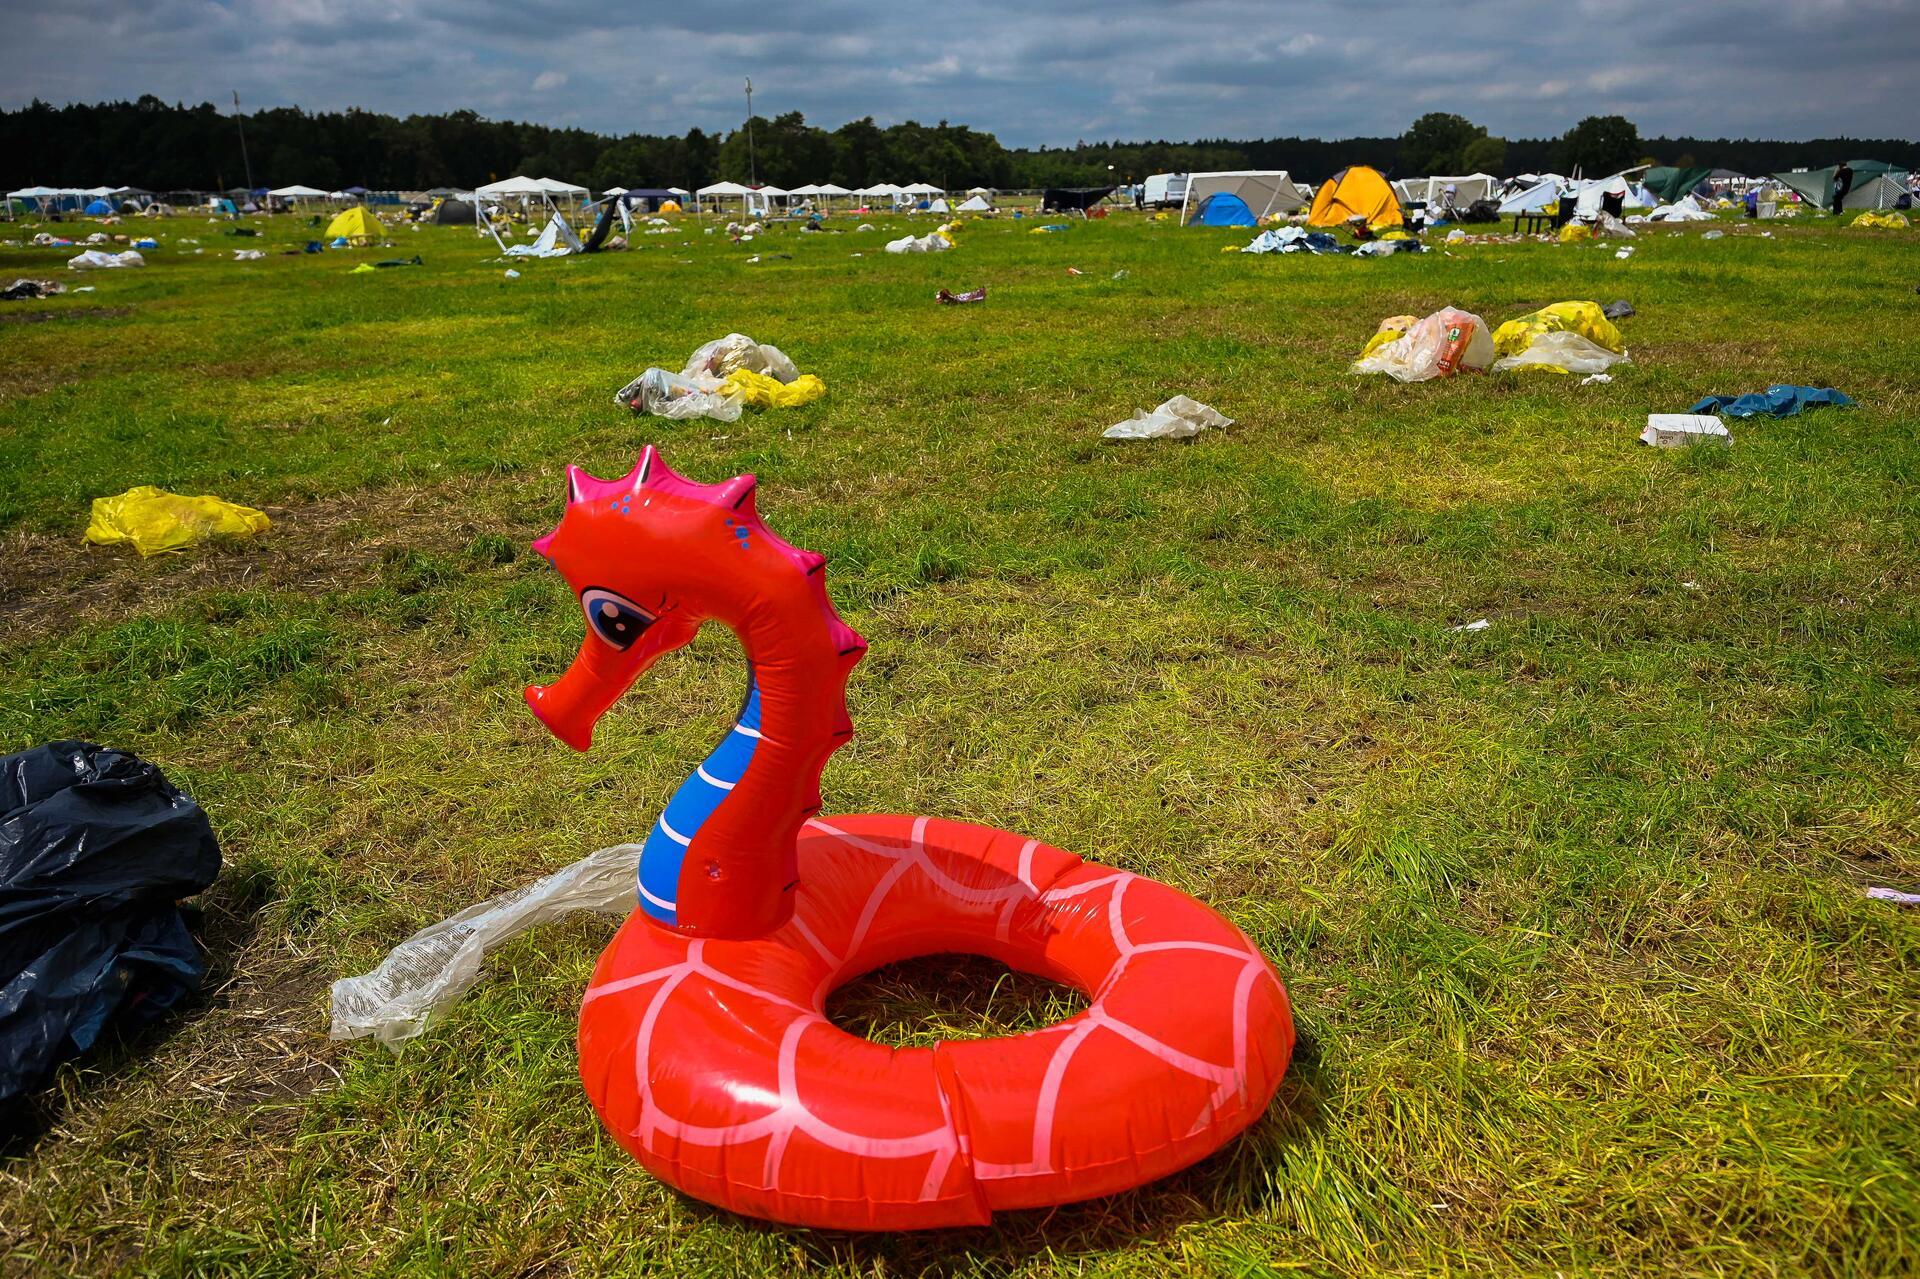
(1165, 190)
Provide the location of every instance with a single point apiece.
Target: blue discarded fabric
(1293, 239)
(1775, 401)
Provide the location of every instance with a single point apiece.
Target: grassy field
(1571, 908)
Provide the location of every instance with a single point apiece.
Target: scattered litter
(1438, 346)
(954, 299)
(864, 226)
(932, 242)
(157, 521)
(1178, 419)
(1479, 624)
(1713, 235)
(512, 274)
(22, 290)
(758, 391)
(1894, 895)
(1049, 227)
(1678, 430)
(1624, 253)
(249, 255)
(93, 258)
(428, 972)
(1619, 310)
(708, 385)
(1591, 378)
(1121, 274)
(412, 261)
(1293, 239)
(1887, 221)
(1776, 401)
(1074, 270)
(96, 849)
(1689, 586)
(1566, 337)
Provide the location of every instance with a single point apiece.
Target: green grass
(1570, 908)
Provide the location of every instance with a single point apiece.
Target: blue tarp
(1223, 208)
(1775, 401)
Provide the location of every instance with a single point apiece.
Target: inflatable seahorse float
(704, 1045)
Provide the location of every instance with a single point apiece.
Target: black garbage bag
(96, 850)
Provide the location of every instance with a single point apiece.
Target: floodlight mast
(753, 176)
(240, 124)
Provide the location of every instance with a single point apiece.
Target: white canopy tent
(1266, 191)
(718, 191)
(1466, 189)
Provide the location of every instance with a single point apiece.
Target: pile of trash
(97, 849)
(938, 240)
(93, 258)
(1566, 337)
(1293, 239)
(1410, 350)
(1885, 221)
(23, 290)
(719, 380)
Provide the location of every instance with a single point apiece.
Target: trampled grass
(1570, 907)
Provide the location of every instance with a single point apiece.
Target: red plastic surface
(712, 1061)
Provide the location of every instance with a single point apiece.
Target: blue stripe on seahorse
(691, 805)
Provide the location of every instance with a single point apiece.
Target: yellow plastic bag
(757, 390)
(1575, 231)
(1890, 221)
(1584, 318)
(157, 521)
(1391, 328)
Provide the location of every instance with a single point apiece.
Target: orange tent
(1357, 192)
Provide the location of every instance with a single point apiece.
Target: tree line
(161, 147)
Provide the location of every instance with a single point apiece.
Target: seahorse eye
(613, 617)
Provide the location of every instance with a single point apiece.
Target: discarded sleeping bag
(96, 849)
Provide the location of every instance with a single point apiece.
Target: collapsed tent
(356, 226)
(1264, 192)
(1531, 199)
(1875, 185)
(1223, 208)
(1072, 199)
(1459, 192)
(556, 241)
(1671, 185)
(1356, 192)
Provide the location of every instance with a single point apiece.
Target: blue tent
(1223, 208)
(99, 208)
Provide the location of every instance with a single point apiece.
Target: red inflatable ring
(713, 1063)
(704, 1044)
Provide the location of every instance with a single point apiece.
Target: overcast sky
(1035, 72)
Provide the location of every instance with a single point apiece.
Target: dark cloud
(1029, 72)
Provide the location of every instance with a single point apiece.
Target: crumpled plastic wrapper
(427, 973)
(1178, 419)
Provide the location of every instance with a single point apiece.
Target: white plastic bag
(738, 351)
(1178, 419)
(1438, 346)
(95, 258)
(428, 972)
(1565, 350)
(676, 396)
